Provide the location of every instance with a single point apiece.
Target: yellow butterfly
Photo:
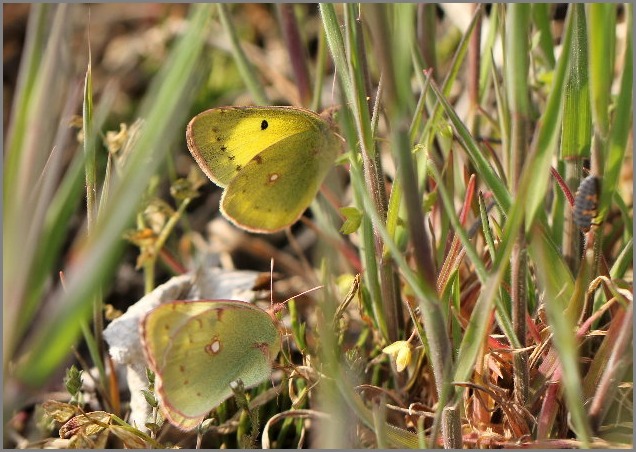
(196, 349)
(271, 161)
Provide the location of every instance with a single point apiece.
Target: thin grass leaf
(37, 37)
(244, 66)
(486, 65)
(546, 134)
(577, 120)
(602, 43)
(557, 293)
(621, 125)
(541, 20)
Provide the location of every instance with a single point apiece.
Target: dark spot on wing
(264, 124)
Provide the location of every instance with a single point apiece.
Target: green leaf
(353, 219)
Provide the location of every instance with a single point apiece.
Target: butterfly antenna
(271, 283)
(302, 293)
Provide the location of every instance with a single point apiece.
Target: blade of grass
(602, 41)
(95, 344)
(244, 66)
(517, 68)
(541, 20)
(26, 91)
(577, 127)
(557, 294)
(297, 53)
(622, 123)
(546, 134)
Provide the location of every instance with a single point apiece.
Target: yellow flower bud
(403, 358)
(401, 351)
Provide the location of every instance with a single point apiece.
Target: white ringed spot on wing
(214, 347)
(272, 178)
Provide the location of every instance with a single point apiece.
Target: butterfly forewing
(223, 140)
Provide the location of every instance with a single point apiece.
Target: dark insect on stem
(586, 202)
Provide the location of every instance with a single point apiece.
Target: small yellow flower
(401, 351)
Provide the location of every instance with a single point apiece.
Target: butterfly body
(197, 348)
(271, 161)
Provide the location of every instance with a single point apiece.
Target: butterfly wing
(273, 190)
(223, 140)
(196, 349)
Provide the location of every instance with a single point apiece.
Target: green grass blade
(557, 295)
(547, 133)
(577, 120)
(244, 66)
(621, 125)
(26, 92)
(602, 42)
(541, 19)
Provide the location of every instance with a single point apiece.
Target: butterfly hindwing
(274, 189)
(197, 348)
